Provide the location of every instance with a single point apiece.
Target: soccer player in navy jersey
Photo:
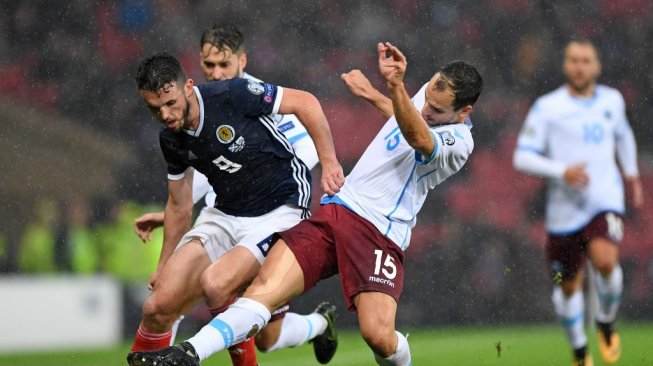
(362, 231)
(223, 56)
(225, 130)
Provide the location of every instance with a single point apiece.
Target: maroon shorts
(566, 253)
(336, 240)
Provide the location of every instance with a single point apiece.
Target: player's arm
(360, 86)
(412, 125)
(148, 222)
(627, 156)
(309, 111)
(178, 214)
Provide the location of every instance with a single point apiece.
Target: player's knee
(605, 266)
(219, 289)
(382, 341)
(157, 313)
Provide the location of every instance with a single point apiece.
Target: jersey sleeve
(255, 98)
(174, 156)
(533, 134)
(452, 148)
(625, 141)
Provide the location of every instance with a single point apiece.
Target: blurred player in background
(362, 231)
(225, 130)
(571, 137)
(223, 56)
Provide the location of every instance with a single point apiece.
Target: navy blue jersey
(247, 160)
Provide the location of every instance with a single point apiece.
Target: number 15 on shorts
(387, 266)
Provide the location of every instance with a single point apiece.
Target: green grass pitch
(520, 345)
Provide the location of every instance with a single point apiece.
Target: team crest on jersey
(447, 138)
(255, 87)
(225, 134)
(607, 115)
(238, 145)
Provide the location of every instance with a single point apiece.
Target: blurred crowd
(481, 234)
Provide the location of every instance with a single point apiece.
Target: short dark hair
(584, 42)
(221, 35)
(155, 72)
(464, 81)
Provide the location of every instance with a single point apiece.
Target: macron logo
(381, 281)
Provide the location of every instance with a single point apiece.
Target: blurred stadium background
(81, 160)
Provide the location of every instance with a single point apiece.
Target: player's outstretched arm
(309, 111)
(412, 125)
(360, 86)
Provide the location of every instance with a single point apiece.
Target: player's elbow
(518, 161)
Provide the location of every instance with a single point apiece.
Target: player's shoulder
(605, 91)
(457, 136)
(213, 88)
(552, 97)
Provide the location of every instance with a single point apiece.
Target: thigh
(232, 273)
(214, 229)
(255, 233)
(178, 285)
(376, 313)
(565, 255)
(367, 260)
(311, 242)
(279, 280)
(604, 234)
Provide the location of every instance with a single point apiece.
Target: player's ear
(243, 62)
(188, 87)
(465, 111)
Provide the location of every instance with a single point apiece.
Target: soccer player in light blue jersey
(571, 137)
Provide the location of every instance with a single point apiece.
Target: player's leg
(603, 251)
(566, 258)
(376, 318)
(288, 329)
(279, 280)
(284, 275)
(176, 292)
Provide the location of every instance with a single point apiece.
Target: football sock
(609, 292)
(175, 329)
(571, 311)
(240, 321)
(146, 341)
(298, 329)
(241, 354)
(401, 357)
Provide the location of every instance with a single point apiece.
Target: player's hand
(332, 177)
(576, 176)
(635, 192)
(357, 83)
(152, 281)
(145, 224)
(393, 67)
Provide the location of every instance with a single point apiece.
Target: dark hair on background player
(224, 35)
(155, 72)
(464, 80)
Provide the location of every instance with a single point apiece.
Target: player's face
(170, 105)
(221, 64)
(581, 66)
(438, 108)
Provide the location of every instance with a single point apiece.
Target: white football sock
(232, 326)
(571, 311)
(298, 329)
(401, 357)
(609, 292)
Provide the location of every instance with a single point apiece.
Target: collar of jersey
(200, 102)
